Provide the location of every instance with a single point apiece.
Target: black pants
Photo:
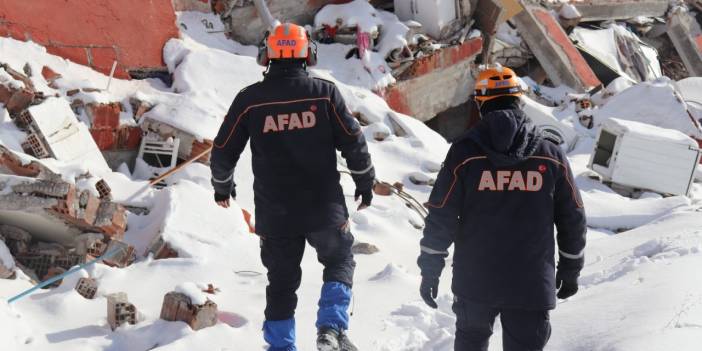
(282, 256)
(521, 330)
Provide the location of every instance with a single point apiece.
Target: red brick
(102, 60)
(104, 116)
(69, 26)
(5, 94)
(49, 74)
(19, 101)
(129, 138)
(106, 139)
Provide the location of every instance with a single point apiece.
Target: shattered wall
(241, 17)
(94, 33)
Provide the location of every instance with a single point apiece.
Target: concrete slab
(600, 10)
(551, 46)
(686, 36)
(435, 83)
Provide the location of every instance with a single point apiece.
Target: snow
(640, 286)
(358, 13)
(655, 102)
(193, 292)
(7, 80)
(650, 132)
(569, 11)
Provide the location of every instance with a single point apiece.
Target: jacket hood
(508, 137)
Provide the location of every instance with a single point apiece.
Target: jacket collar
(286, 70)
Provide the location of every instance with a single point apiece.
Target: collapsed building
(424, 51)
(48, 223)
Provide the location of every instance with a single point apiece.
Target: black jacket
(500, 191)
(296, 124)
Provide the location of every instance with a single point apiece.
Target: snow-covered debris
(193, 292)
(545, 118)
(568, 11)
(68, 140)
(358, 13)
(621, 50)
(655, 102)
(7, 80)
(609, 210)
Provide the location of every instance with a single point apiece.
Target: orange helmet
(495, 81)
(287, 41)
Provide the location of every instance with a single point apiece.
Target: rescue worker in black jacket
(295, 125)
(500, 191)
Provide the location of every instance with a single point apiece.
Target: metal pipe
(180, 166)
(268, 20)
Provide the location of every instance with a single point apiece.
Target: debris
(119, 310)
(53, 272)
(211, 289)
(59, 133)
(685, 33)
(87, 287)
(178, 306)
(554, 50)
(645, 157)
(436, 16)
(7, 263)
(161, 249)
(50, 75)
(124, 256)
(162, 155)
(103, 190)
(360, 248)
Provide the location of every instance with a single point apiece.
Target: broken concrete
(120, 310)
(447, 70)
(601, 10)
(686, 35)
(245, 26)
(178, 307)
(554, 50)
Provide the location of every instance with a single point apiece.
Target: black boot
(331, 340)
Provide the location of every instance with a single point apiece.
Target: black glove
(429, 290)
(567, 285)
(366, 197)
(222, 197)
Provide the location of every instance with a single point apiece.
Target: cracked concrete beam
(686, 36)
(601, 10)
(551, 46)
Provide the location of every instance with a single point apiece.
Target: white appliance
(434, 15)
(646, 157)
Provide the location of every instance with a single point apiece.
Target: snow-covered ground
(641, 287)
